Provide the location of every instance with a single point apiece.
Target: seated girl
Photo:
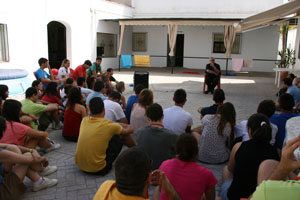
(217, 135)
(120, 87)
(51, 95)
(16, 162)
(190, 180)
(20, 134)
(240, 175)
(73, 115)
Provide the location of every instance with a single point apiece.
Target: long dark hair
(74, 96)
(228, 115)
(3, 90)
(260, 127)
(51, 89)
(11, 110)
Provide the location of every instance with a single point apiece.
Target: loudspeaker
(141, 78)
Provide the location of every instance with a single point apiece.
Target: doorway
(57, 46)
(177, 60)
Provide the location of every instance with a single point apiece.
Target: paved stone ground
(244, 92)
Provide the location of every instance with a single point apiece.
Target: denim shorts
(224, 188)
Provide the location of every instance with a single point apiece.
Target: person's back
(113, 110)
(132, 100)
(295, 92)
(247, 160)
(212, 145)
(190, 179)
(138, 118)
(176, 118)
(94, 136)
(286, 103)
(218, 97)
(159, 143)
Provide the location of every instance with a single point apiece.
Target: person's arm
(231, 163)
(36, 134)
(210, 194)
(124, 120)
(51, 107)
(159, 178)
(83, 112)
(127, 129)
(10, 157)
(287, 163)
(123, 99)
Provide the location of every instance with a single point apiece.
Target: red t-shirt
(15, 133)
(79, 71)
(189, 179)
(50, 98)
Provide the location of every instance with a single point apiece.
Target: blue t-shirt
(42, 74)
(280, 120)
(1, 171)
(95, 94)
(211, 110)
(295, 92)
(131, 100)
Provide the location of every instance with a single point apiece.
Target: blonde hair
(145, 98)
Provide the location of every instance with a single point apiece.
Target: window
(139, 42)
(219, 44)
(106, 45)
(4, 57)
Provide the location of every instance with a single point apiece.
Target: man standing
(176, 118)
(157, 141)
(212, 72)
(42, 75)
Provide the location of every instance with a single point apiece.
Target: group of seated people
(164, 149)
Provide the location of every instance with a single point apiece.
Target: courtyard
(245, 91)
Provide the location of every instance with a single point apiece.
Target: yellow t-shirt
(93, 140)
(108, 191)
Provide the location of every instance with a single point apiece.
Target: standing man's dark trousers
(211, 82)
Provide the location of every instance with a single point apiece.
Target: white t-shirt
(63, 72)
(242, 130)
(176, 119)
(113, 111)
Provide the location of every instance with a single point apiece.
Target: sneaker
(57, 126)
(53, 147)
(48, 170)
(46, 183)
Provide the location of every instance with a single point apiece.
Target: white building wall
(156, 43)
(201, 8)
(297, 48)
(27, 28)
(198, 42)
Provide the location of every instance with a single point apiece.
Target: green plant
(287, 58)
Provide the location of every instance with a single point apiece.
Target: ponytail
(260, 127)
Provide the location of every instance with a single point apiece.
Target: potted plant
(287, 58)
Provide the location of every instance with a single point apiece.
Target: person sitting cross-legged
(191, 180)
(113, 110)
(100, 140)
(132, 100)
(20, 134)
(99, 90)
(266, 107)
(286, 104)
(157, 141)
(133, 178)
(240, 175)
(176, 118)
(218, 97)
(73, 114)
(16, 162)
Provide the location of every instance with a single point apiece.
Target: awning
(198, 22)
(270, 16)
